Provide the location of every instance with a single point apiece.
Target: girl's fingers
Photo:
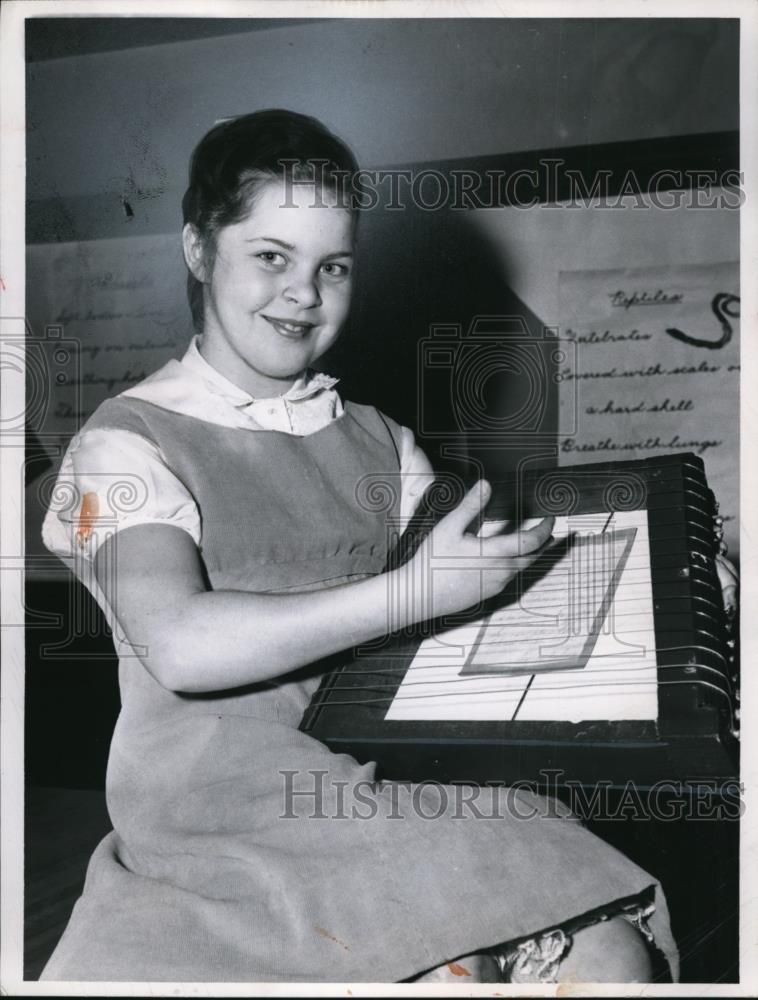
(470, 507)
(534, 538)
(520, 543)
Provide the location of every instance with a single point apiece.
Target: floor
(63, 827)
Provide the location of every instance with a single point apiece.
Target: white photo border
(12, 304)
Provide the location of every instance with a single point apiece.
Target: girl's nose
(303, 291)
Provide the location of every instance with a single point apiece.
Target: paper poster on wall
(116, 307)
(656, 370)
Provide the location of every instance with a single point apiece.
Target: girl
(241, 564)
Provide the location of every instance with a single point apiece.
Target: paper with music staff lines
(573, 641)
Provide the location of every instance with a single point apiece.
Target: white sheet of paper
(619, 680)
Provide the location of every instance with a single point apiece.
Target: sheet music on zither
(575, 642)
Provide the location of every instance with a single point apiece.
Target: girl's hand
(453, 569)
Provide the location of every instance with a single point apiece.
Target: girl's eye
(272, 257)
(335, 270)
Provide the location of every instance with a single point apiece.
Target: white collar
(308, 383)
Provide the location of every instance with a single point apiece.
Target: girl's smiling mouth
(289, 328)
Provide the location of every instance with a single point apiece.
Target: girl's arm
(197, 640)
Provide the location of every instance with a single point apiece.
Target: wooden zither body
(688, 736)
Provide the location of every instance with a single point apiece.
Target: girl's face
(277, 290)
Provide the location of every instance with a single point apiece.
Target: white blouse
(102, 457)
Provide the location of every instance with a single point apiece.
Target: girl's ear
(194, 253)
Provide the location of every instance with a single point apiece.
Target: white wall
(122, 123)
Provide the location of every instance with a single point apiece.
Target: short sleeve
(416, 474)
(112, 479)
